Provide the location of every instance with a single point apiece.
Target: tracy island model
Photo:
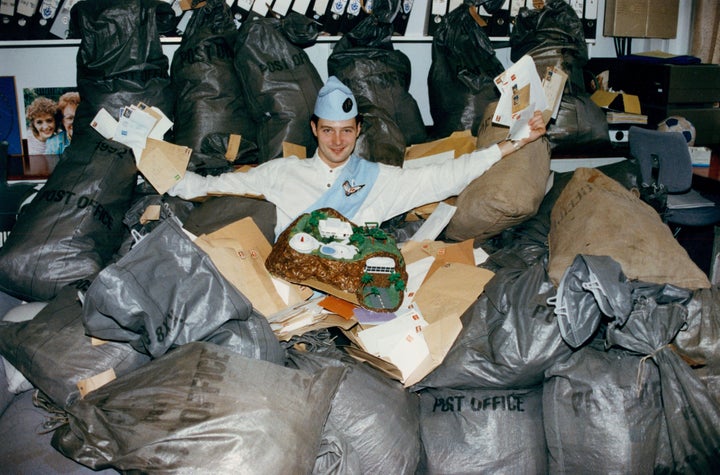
(324, 250)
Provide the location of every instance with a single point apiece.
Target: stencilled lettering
(70, 198)
(593, 401)
(213, 49)
(498, 402)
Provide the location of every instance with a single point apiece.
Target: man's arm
(248, 183)
(405, 189)
(190, 186)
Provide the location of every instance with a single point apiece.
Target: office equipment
(497, 16)
(664, 90)
(641, 18)
(669, 153)
(587, 10)
(43, 19)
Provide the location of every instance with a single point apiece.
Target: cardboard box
(641, 18)
(617, 101)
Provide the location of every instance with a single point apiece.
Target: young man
(335, 177)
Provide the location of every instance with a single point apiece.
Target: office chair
(664, 159)
(668, 152)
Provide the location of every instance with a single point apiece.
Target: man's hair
(358, 119)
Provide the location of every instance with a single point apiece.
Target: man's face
(336, 139)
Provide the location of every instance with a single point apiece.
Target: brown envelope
(163, 164)
(442, 299)
(461, 142)
(239, 251)
(443, 253)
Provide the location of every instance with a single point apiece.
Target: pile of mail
(522, 92)
(142, 128)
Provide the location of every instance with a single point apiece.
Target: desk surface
(40, 166)
(33, 167)
(713, 171)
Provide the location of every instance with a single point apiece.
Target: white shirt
(294, 184)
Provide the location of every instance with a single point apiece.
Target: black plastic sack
(366, 61)
(165, 292)
(28, 450)
(554, 36)
(202, 408)
(510, 335)
(120, 61)
(138, 222)
(53, 352)
(580, 125)
(556, 25)
(6, 400)
(567, 59)
(482, 431)
(73, 225)
(204, 163)
(696, 342)
(460, 80)
(381, 139)
(279, 81)
(699, 341)
(692, 415)
(598, 419)
(219, 211)
(252, 338)
(217, 144)
(335, 454)
(591, 287)
(375, 416)
(209, 96)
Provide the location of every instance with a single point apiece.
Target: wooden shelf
(178, 40)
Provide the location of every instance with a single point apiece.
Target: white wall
(52, 64)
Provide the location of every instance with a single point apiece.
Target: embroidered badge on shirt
(351, 187)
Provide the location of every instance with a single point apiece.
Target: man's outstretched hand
(537, 127)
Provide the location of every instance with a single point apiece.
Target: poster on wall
(9, 117)
(49, 117)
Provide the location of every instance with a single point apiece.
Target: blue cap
(335, 101)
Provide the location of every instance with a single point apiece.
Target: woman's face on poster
(44, 125)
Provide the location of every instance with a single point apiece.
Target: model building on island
(324, 250)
